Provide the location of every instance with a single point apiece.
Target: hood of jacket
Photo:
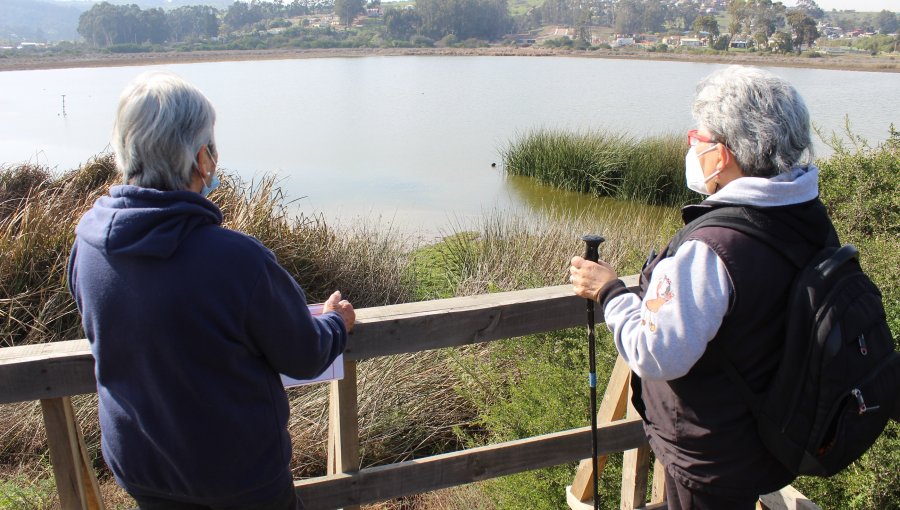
(144, 222)
(790, 199)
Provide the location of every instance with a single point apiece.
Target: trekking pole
(592, 253)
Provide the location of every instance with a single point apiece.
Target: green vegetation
(648, 170)
(420, 404)
(860, 185)
(17, 492)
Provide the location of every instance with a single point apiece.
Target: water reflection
(545, 201)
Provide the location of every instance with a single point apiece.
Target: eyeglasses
(694, 137)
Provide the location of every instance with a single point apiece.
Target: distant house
(646, 38)
(622, 41)
(524, 39)
(741, 42)
(690, 41)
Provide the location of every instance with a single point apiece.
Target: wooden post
(75, 478)
(612, 407)
(635, 470)
(787, 498)
(343, 425)
(658, 491)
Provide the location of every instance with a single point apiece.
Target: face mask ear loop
(718, 170)
(200, 171)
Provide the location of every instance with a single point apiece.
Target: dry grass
(511, 252)
(407, 405)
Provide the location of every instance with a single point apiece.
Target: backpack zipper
(860, 403)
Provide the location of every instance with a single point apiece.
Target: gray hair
(161, 123)
(760, 117)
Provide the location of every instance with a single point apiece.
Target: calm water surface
(407, 140)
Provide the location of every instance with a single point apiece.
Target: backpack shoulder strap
(754, 222)
(757, 224)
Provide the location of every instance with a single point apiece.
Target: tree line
(765, 22)
(105, 24)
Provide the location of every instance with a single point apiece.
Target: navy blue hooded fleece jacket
(190, 324)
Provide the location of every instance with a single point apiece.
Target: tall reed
(648, 170)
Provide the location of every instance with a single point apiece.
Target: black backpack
(838, 381)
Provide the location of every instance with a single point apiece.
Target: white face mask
(693, 172)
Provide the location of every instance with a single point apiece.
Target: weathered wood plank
(412, 327)
(787, 498)
(45, 371)
(76, 482)
(59, 369)
(343, 424)
(58, 416)
(635, 470)
(457, 468)
(658, 487)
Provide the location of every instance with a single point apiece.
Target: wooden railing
(54, 372)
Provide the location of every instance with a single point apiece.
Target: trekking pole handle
(592, 246)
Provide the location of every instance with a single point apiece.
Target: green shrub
(420, 41)
(21, 493)
(860, 185)
(129, 48)
(559, 42)
(448, 41)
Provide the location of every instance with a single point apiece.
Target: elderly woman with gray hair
(717, 286)
(190, 323)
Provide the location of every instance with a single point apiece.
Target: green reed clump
(655, 172)
(587, 162)
(649, 170)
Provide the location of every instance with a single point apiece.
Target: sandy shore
(842, 62)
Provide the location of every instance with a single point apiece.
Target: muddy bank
(841, 62)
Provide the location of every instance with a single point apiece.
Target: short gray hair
(760, 117)
(161, 123)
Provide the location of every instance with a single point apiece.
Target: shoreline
(867, 63)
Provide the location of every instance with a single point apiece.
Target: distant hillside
(38, 20)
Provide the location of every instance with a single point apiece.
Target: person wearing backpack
(719, 286)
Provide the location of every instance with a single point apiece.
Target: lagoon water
(409, 141)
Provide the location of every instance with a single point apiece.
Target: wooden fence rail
(54, 372)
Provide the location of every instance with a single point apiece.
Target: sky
(858, 5)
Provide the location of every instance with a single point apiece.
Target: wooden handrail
(61, 369)
(54, 372)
